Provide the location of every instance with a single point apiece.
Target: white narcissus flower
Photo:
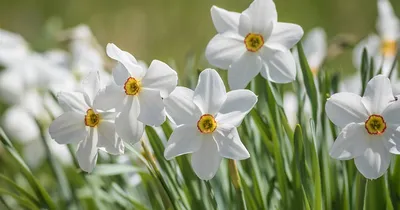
(253, 42)
(207, 119)
(382, 47)
(369, 123)
(137, 93)
(13, 48)
(86, 123)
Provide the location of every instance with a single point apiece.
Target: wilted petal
(229, 143)
(86, 154)
(68, 128)
(160, 77)
(180, 107)
(345, 108)
(185, 139)
(206, 160)
(152, 110)
(243, 70)
(210, 92)
(378, 94)
(236, 106)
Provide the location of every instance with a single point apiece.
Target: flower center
(132, 86)
(389, 48)
(375, 125)
(91, 118)
(254, 42)
(206, 124)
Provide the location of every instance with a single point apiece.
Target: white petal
(110, 97)
(375, 160)
(286, 34)
(127, 60)
(126, 124)
(243, 70)
(224, 49)
(387, 23)
(206, 161)
(391, 139)
(120, 74)
(68, 128)
(224, 20)
(108, 140)
(185, 139)
(160, 77)
(229, 144)
(371, 43)
(345, 108)
(91, 86)
(262, 13)
(86, 154)
(378, 94)
(210, 92)
(11, 86)
(290, 106)
(236, 106)
(279, 66)
(109, 115)
(180, 107)
(152, 110)
(73, 101)
(315, 47)
(350, 143)
(392, 114)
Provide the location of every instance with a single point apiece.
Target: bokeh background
(178, 29)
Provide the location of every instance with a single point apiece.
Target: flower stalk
(235, 178)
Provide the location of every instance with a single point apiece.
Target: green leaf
(20, 189)
(115, 169)
(20, 200)
(364, 70)
(316, 170)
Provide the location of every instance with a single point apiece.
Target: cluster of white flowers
(106, 112)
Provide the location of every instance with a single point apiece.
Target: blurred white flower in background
(207, 120)
(369, 127)
(13, 48)
(253, 42)
(382, 47)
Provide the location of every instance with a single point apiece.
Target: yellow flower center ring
(91, 118)
(254, 42)
(375, 125)
(389, 48)
(132, 86)
(206, 124)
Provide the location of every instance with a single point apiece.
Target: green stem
(211, 195)
(235, 178)
(361, 184)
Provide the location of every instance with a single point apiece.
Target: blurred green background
(174, 29)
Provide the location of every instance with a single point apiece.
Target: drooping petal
(160, 77)
(107, 139)
(224, 49)
(152, 110)
(180, 107)
(110, 97)
(285, 34)
(91, 86)
(236, 106)
(378, 94)
(126, 124)
(350, 143)
(345, 108)
(375, 160)
(73, 101)
(185, 139)
(68, 128)
(279, 65)
(229, 144)
(262, 13)
(127, 60)
(206, 160)
(224, 20)
(243, 70)
(210, 92)
(86, 154)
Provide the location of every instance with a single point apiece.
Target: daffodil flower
(382, 47)
(369, 123)
(137, 93)
(207, 119)
(86, 123)
(252, 42)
